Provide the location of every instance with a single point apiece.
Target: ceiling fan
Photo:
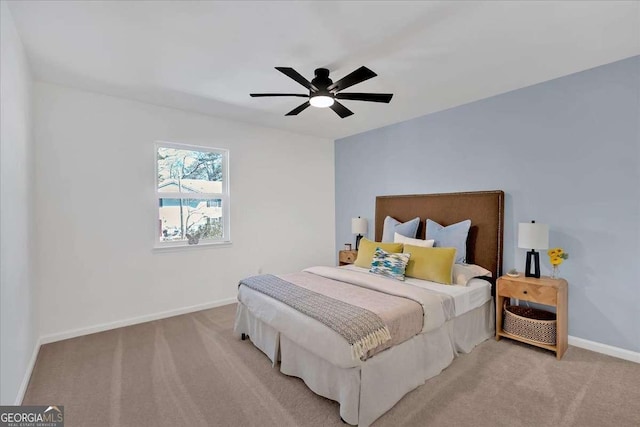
(323, 92)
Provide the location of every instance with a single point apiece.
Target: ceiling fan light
(321, 101)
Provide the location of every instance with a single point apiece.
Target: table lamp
(359, 227)
(533, 236)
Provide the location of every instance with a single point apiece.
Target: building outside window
(193, 195)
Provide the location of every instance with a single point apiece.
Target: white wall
(96, 211)
(17, 312)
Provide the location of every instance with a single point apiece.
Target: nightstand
(545, 290)
(347, 257)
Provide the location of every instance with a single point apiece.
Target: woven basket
(530, 323)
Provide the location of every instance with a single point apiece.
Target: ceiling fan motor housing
(322, 82)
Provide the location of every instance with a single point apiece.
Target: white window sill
(174, 247)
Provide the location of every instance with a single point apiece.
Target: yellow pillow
(433, 264)
(367, 248)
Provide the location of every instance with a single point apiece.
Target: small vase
(554, 272)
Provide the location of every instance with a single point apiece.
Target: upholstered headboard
(485, 209)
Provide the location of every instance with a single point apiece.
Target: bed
(456, 318)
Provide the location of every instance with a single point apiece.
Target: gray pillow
(392, 225)
(451, 236)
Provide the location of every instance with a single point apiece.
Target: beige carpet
(190, 371)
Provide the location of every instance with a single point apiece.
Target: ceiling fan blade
(358, 76)
(372, 97)
(298, 109)
(290, 72)
(341, 110)
(258, 95)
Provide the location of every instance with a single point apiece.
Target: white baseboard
(133, 321)
(609, 350)
(27, 375)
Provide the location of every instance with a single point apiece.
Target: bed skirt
(367, 391)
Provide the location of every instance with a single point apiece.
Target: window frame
(224, 197)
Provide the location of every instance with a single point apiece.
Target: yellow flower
(556, 260)
(559, 251)
(552, 252)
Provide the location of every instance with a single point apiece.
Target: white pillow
(462, 273)
(399, 238)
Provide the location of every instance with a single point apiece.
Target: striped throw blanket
(363, 329)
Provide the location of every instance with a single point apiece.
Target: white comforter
(324, 342)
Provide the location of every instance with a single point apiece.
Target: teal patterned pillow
(389, 264)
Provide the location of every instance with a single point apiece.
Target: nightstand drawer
(347, 257)
(528, 292)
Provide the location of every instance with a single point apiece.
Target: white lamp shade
(359, 225)
(532, 235)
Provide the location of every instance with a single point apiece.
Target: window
(193, 195)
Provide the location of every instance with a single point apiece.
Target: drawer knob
(524, 292)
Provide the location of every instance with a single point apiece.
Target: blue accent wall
(566, 152)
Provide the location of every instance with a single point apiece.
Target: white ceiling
(208, 56)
